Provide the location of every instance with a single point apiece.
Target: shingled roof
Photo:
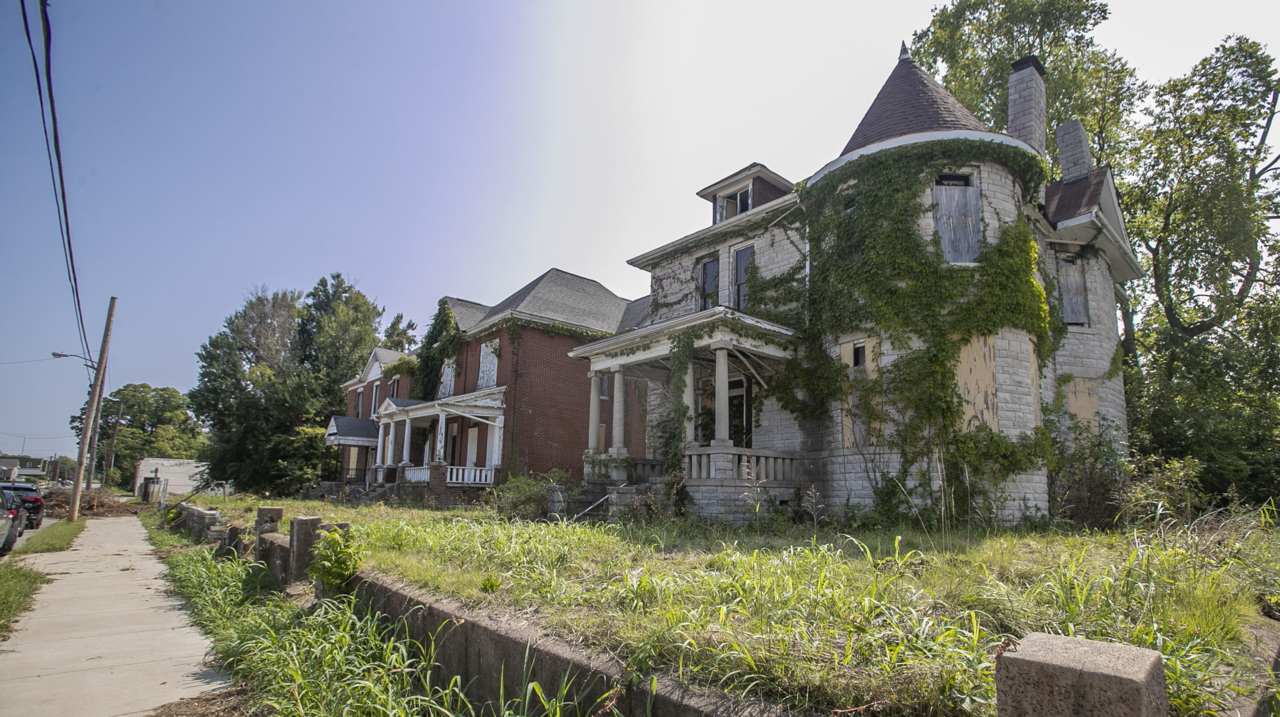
(466, 313)
(559, 296)
(910, 102)
(1068, 200)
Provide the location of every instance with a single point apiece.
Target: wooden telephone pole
(91, 413)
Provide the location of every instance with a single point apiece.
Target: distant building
(24, 468)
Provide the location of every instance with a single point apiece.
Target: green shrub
(336, 558)
(525, 496)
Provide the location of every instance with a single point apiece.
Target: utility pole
(92, 413)
(93, 445)
(115, 429)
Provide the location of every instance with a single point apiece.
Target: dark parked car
(13, 518)
(29, 493)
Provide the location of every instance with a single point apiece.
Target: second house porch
(462, 443)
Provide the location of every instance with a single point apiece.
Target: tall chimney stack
(1027, 106)
(1073, 151)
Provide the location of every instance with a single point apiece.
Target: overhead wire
(53, 150)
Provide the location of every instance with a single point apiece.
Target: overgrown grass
(839, 622)
(166, 542)
(334, 658)
(18, 585)
(51, 538)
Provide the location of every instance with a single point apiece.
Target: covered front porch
(713, 364)
(357, 438)
(464, 439)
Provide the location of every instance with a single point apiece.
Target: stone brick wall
(1027, 108)
(1073, 150)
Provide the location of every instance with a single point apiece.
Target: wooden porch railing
(459, 475)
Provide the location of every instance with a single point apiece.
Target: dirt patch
(234, 702)
(93, 504)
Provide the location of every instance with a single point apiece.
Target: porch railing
(706, 463)
(646, 468)
(417, 474)
(460, 475)
(378, 475)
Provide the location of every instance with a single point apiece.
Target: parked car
(29, 494)
(13, 518)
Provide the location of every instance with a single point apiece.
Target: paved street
(102, 639)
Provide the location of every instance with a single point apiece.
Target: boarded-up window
(957, 216)
(446, 378)
(488, 365)
(1075, 304)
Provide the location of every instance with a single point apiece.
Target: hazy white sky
(421, 148)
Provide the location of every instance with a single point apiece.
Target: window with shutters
(742, 258)
(488, 365)
(957, 217)
(1075, 302)
(446, 378)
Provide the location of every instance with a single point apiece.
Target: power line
(29, 436)
(11, 363)
(57, 178)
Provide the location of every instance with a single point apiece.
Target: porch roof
(722, 327)
(348, 431)
(486, 402)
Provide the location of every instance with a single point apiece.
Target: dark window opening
(952, 180)
(709, 288)
(741, 260)
(741, 417)
(859, 355)
(731, 205)
(606, 385)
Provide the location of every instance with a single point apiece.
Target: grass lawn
(51, 538)
(18, 584)
(831, 621)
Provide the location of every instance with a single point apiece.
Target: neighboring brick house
(699, 296)
(511, 400)
(356, 433)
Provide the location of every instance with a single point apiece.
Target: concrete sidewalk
(103, 639)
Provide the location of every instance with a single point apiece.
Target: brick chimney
(1073, 151)
(1027, 103)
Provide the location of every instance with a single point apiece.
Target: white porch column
(404, 458)
(593, 419)
(619, 414)
(495, 442)
(691, 419)
(722, 399)
(390, 454)
(440, 436)
(382, 433)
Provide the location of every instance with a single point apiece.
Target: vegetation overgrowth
(910, 621)
(333, 657)
(18, 584)
(52, 538)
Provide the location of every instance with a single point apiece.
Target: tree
(153, 423)
(399, 336)
(273, 377)
(972, 44)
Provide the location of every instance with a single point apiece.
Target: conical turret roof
(910, 102)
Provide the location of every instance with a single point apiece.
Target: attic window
(732, 204)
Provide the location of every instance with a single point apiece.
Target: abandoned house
(927, 285)
(508, 398)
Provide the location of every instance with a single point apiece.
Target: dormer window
(732, 204)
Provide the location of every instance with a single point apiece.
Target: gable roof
(1087, 211)
(466, 313)
(560, 297)
(1067, 200)
(386, 356)
(378, 358)
(910, 102)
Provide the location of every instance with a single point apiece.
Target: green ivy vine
(869, 272)
(442, 342)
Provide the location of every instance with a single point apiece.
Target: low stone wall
(204, 524)
(493, 655)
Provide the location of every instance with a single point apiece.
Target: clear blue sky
(420, 148)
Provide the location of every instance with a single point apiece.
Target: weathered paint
(976, 378)
(1082, 398)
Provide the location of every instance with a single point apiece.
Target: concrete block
(1056, 676)
(302, 538)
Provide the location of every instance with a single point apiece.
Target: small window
(741, 260)
(709, 285)
(957, 217)
(731, 205)
(360, 403)
(859, 355)
(373, 408)
(1075, 302)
